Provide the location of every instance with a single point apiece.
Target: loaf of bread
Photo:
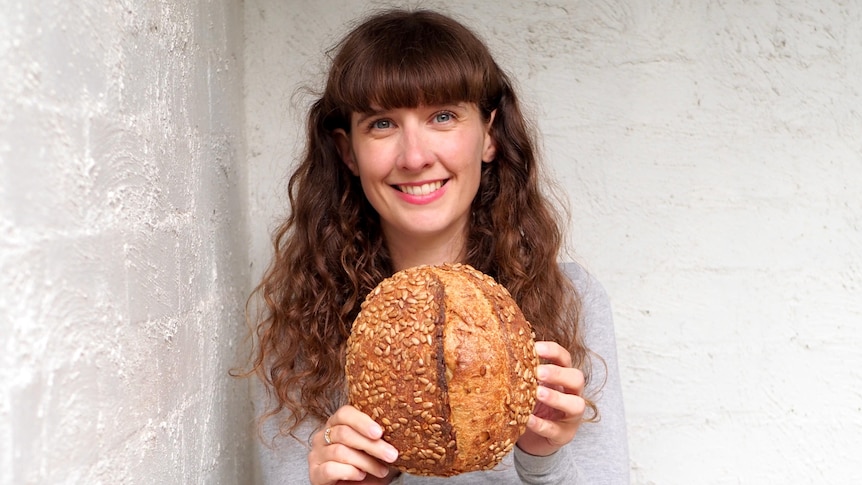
(443, 359)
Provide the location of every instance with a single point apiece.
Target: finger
(349, 437)
(570, 406)
(555, 433)
(554, 352)
(567, 379)
(356, 419)
(329, 463)
(332, 472)
(369, 480)
(355, 458)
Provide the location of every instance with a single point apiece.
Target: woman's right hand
(355, 452)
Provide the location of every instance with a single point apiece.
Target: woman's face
(419, 167)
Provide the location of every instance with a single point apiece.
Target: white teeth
(423, 189)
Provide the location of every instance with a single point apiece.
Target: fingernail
(391, 454)
(541, 393)
(541, 373)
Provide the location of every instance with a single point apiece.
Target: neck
(407, 252)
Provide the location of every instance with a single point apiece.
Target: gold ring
(326, 436)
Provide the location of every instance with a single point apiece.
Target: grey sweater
(597, 455)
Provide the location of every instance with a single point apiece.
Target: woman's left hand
(560, 407)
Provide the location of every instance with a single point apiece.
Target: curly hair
(330, 251)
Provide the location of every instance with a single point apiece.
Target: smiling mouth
(423, 189)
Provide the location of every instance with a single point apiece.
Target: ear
(489, 148)
(342, 143)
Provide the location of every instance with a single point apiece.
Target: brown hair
(330, 252)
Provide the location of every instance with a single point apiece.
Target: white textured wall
(123, 257)
(712, 152)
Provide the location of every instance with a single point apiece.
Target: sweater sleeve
(600, 448)
(560, 467)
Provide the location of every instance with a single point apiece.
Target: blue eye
(443, 117)
(381, 124)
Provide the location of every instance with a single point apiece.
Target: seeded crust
(443, 359)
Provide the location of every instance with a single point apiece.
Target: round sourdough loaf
(443, 359)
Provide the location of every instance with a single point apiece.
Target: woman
(417, 153)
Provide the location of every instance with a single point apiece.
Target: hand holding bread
(349, 448)
(444, 378)
(560, 408)
(443, 359)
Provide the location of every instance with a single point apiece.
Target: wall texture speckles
(712, 154)
(123, 258)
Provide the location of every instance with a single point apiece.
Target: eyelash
(450, 114)
(373, 124)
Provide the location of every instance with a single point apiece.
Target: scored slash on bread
(444, 360)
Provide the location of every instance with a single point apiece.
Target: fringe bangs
(409, 63)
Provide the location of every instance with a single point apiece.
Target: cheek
(374, 159)
(368, 190)
(467, 152)
(373, 171)
(368, 165)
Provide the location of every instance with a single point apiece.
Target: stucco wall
(712, 154)
(123, 258)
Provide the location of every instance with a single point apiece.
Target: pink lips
(421, 193)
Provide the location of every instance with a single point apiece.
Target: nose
(416, 153)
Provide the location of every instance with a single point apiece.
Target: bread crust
(444, 360)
